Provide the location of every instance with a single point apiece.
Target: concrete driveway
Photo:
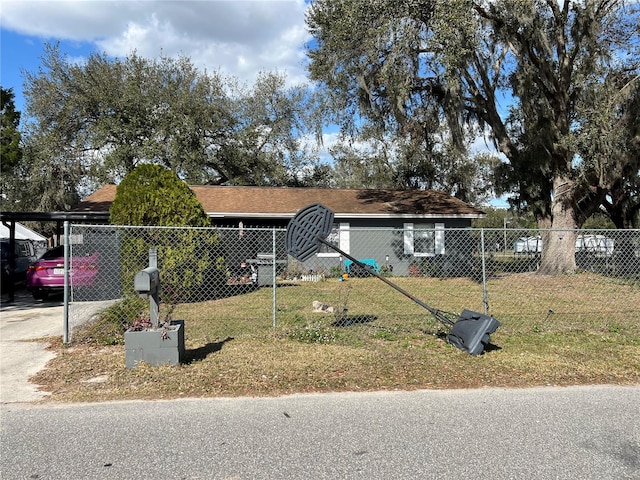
(21, 321)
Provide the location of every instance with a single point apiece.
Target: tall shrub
(154, 195)
(188, 257)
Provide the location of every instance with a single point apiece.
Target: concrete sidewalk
(21, 321)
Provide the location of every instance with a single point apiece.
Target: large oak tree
(526, 70)
(102, 118)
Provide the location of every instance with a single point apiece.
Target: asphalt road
(540, 433)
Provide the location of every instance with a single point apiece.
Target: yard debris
(309, 229)
(319, 307)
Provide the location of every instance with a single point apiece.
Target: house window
(339, 237)
(424, 239)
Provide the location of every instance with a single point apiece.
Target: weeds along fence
(228, 282)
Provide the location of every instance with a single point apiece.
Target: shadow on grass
(201, 353)
(348, 320)
(490, 347)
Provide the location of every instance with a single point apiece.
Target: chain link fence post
(485, 295)
(66, 291)
(273, 277)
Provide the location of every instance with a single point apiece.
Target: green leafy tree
(270, 138)
(412, 65)
(598, 221)
(152, 195)
(10, 149)
(34, 178)
(368, 165)
(609, 143)
(381, 160)
(103, 118)
(364, 59)
(114, 114)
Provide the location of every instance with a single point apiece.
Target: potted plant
(156, 345)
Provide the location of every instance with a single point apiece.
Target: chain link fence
(240, 281)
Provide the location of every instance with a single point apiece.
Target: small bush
(335, 272)
(386, 270)
(109, 325)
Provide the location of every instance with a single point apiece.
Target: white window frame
(438, 240)
(343, 241)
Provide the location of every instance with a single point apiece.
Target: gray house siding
(386, 242)
(375, 244)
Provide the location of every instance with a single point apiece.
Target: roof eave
(348, 215)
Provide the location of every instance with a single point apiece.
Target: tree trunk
(559, 242)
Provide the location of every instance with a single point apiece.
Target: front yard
(554, 331)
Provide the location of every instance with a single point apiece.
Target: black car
(24, 255)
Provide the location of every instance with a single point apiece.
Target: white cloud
(239, 38)
(65, 19)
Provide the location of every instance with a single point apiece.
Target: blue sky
(17, 51)
(240, 38)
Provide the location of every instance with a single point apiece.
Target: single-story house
(410, 222)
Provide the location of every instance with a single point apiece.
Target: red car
(46, 275)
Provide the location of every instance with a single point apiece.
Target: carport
(9, 220)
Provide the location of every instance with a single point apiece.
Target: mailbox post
(147, 284)
(155, 346)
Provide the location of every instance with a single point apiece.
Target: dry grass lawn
(592, 337)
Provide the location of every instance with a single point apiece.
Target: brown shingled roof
(99, 201)
(237, 201)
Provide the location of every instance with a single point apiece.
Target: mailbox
(153, 345)
(147, 284)
(147, 281)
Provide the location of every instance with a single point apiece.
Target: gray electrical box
(147, 281)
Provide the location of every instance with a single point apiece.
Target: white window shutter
(344, 238)
(439, 239)
(408, 238)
